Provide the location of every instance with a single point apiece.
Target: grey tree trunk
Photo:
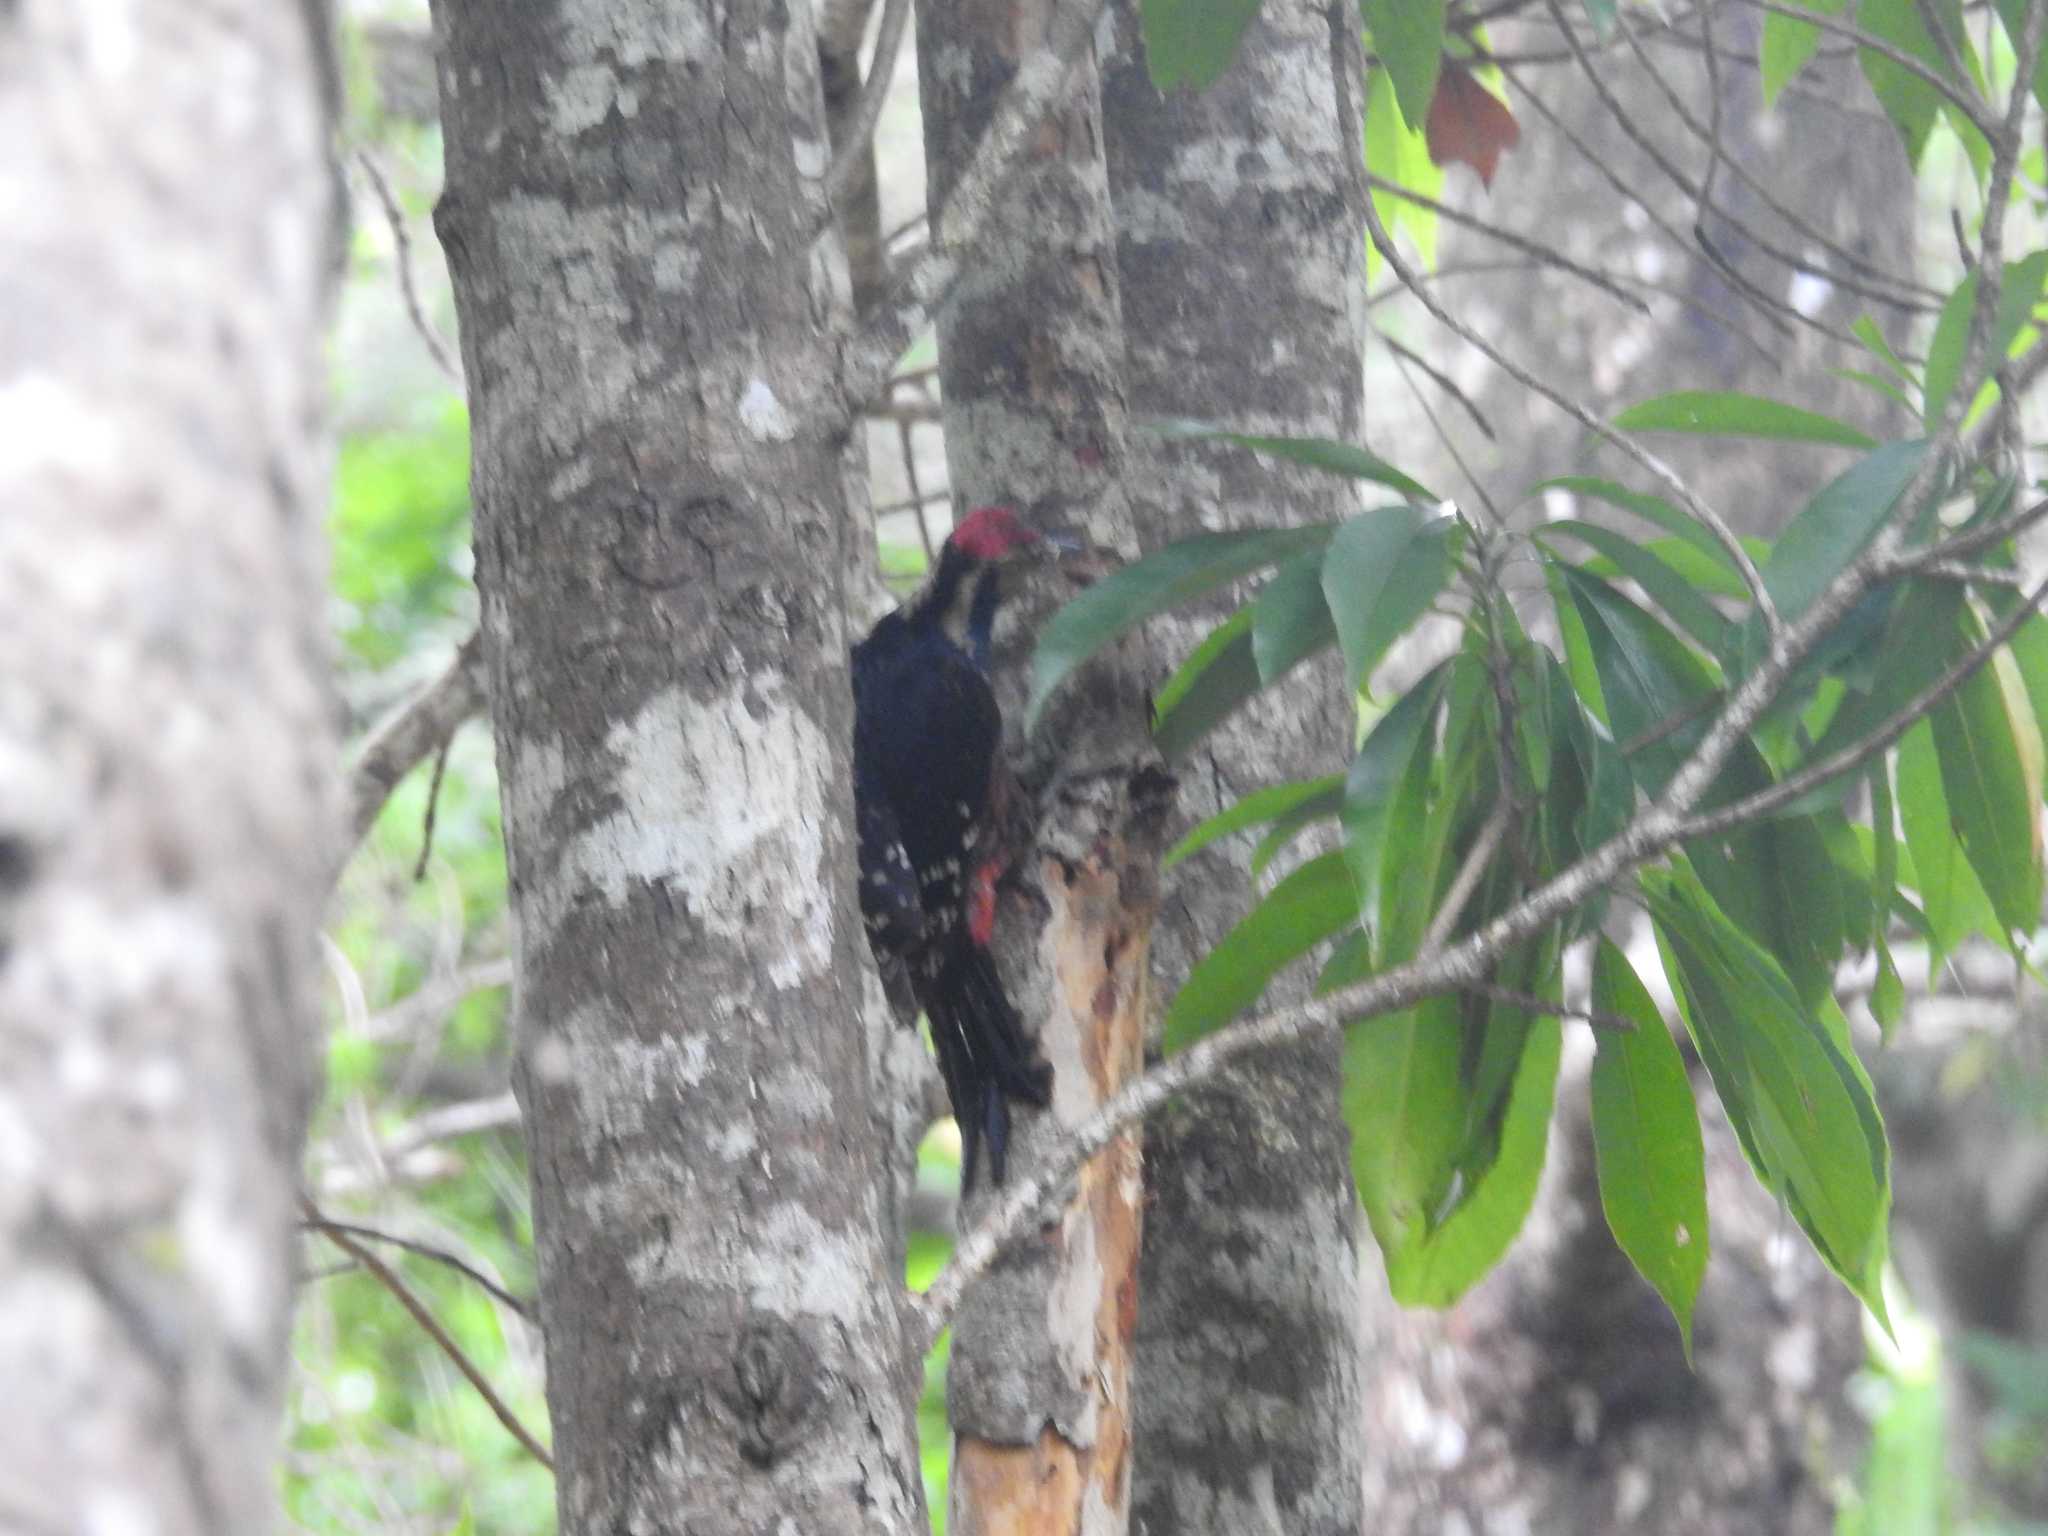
(1030, 360)
(1239, 244)
(650, 337)
(167, 814)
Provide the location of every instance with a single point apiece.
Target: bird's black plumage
(926, 758)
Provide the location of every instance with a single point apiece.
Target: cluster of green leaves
(1510, 760)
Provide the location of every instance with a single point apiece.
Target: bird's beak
(1056, 544)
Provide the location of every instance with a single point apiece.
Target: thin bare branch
(1549, 1008)
(1796, 785)
(324, 1224)
(1973, 575)
(1449, 386)
(1477, 857)
(1710, 134)
(1709, 519)
(1971, 541)
(1626, 121)
(857, 145)
(434, 998)
(424, 1316)
(417, 727)
(1961, 99)
(1040, 80)
(1545, 255)
(408, 283)
(466, 1118)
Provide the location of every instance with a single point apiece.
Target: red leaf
(1469, 123)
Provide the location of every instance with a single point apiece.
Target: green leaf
(1665, 587)
(1316, 452)
(2029, 647)
(1647, 677)
(1884, 846)
(1312, 903)
(1191, 42)
(1434, 1267)
(1381, 572)
(1529, 668)
(1832, 529)
(1609, 790)
(1878, 383)
(1873, 338)
(1990, 752)
(2013, 14)
(1123, 600)
(1209, 686)
(1775, 879)
(1908, 100)
(2017, 296)
(1723, 413)
(1800, 1105)
(1646, 1142)
(1290, 826)
(1257, 808)
(1399, 736)
(1950, 893)
(1403, 1102)
(1400, 155)
(1920, 640)
(1659, 512)
(1290, 621)
(1787, 45)
(1602, 13)
(1408, 38)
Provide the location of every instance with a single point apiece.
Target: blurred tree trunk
(1030, 361)
(1239, 244)
(841, 24)
(1555, 1394)
(662, 526)
(167, 820)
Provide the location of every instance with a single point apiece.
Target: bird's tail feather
(984, 1058)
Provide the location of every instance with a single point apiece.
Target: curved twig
(424, 1316)
(845, 169)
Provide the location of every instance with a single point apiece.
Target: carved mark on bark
(655, 549)
(773, 1388)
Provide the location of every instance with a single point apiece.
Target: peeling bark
(167, 737)
(1239, 243)
(1031, 352)
(663, 537)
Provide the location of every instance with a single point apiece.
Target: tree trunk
(1030, 357)
(167, 814)
(650, 335)
(1239, 244)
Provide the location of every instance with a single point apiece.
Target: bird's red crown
(989, 533)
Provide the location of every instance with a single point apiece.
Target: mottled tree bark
(1239, 243)
(167, 806)
(662, 528)
(1030, 356)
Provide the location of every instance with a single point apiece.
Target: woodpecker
(928, 792)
